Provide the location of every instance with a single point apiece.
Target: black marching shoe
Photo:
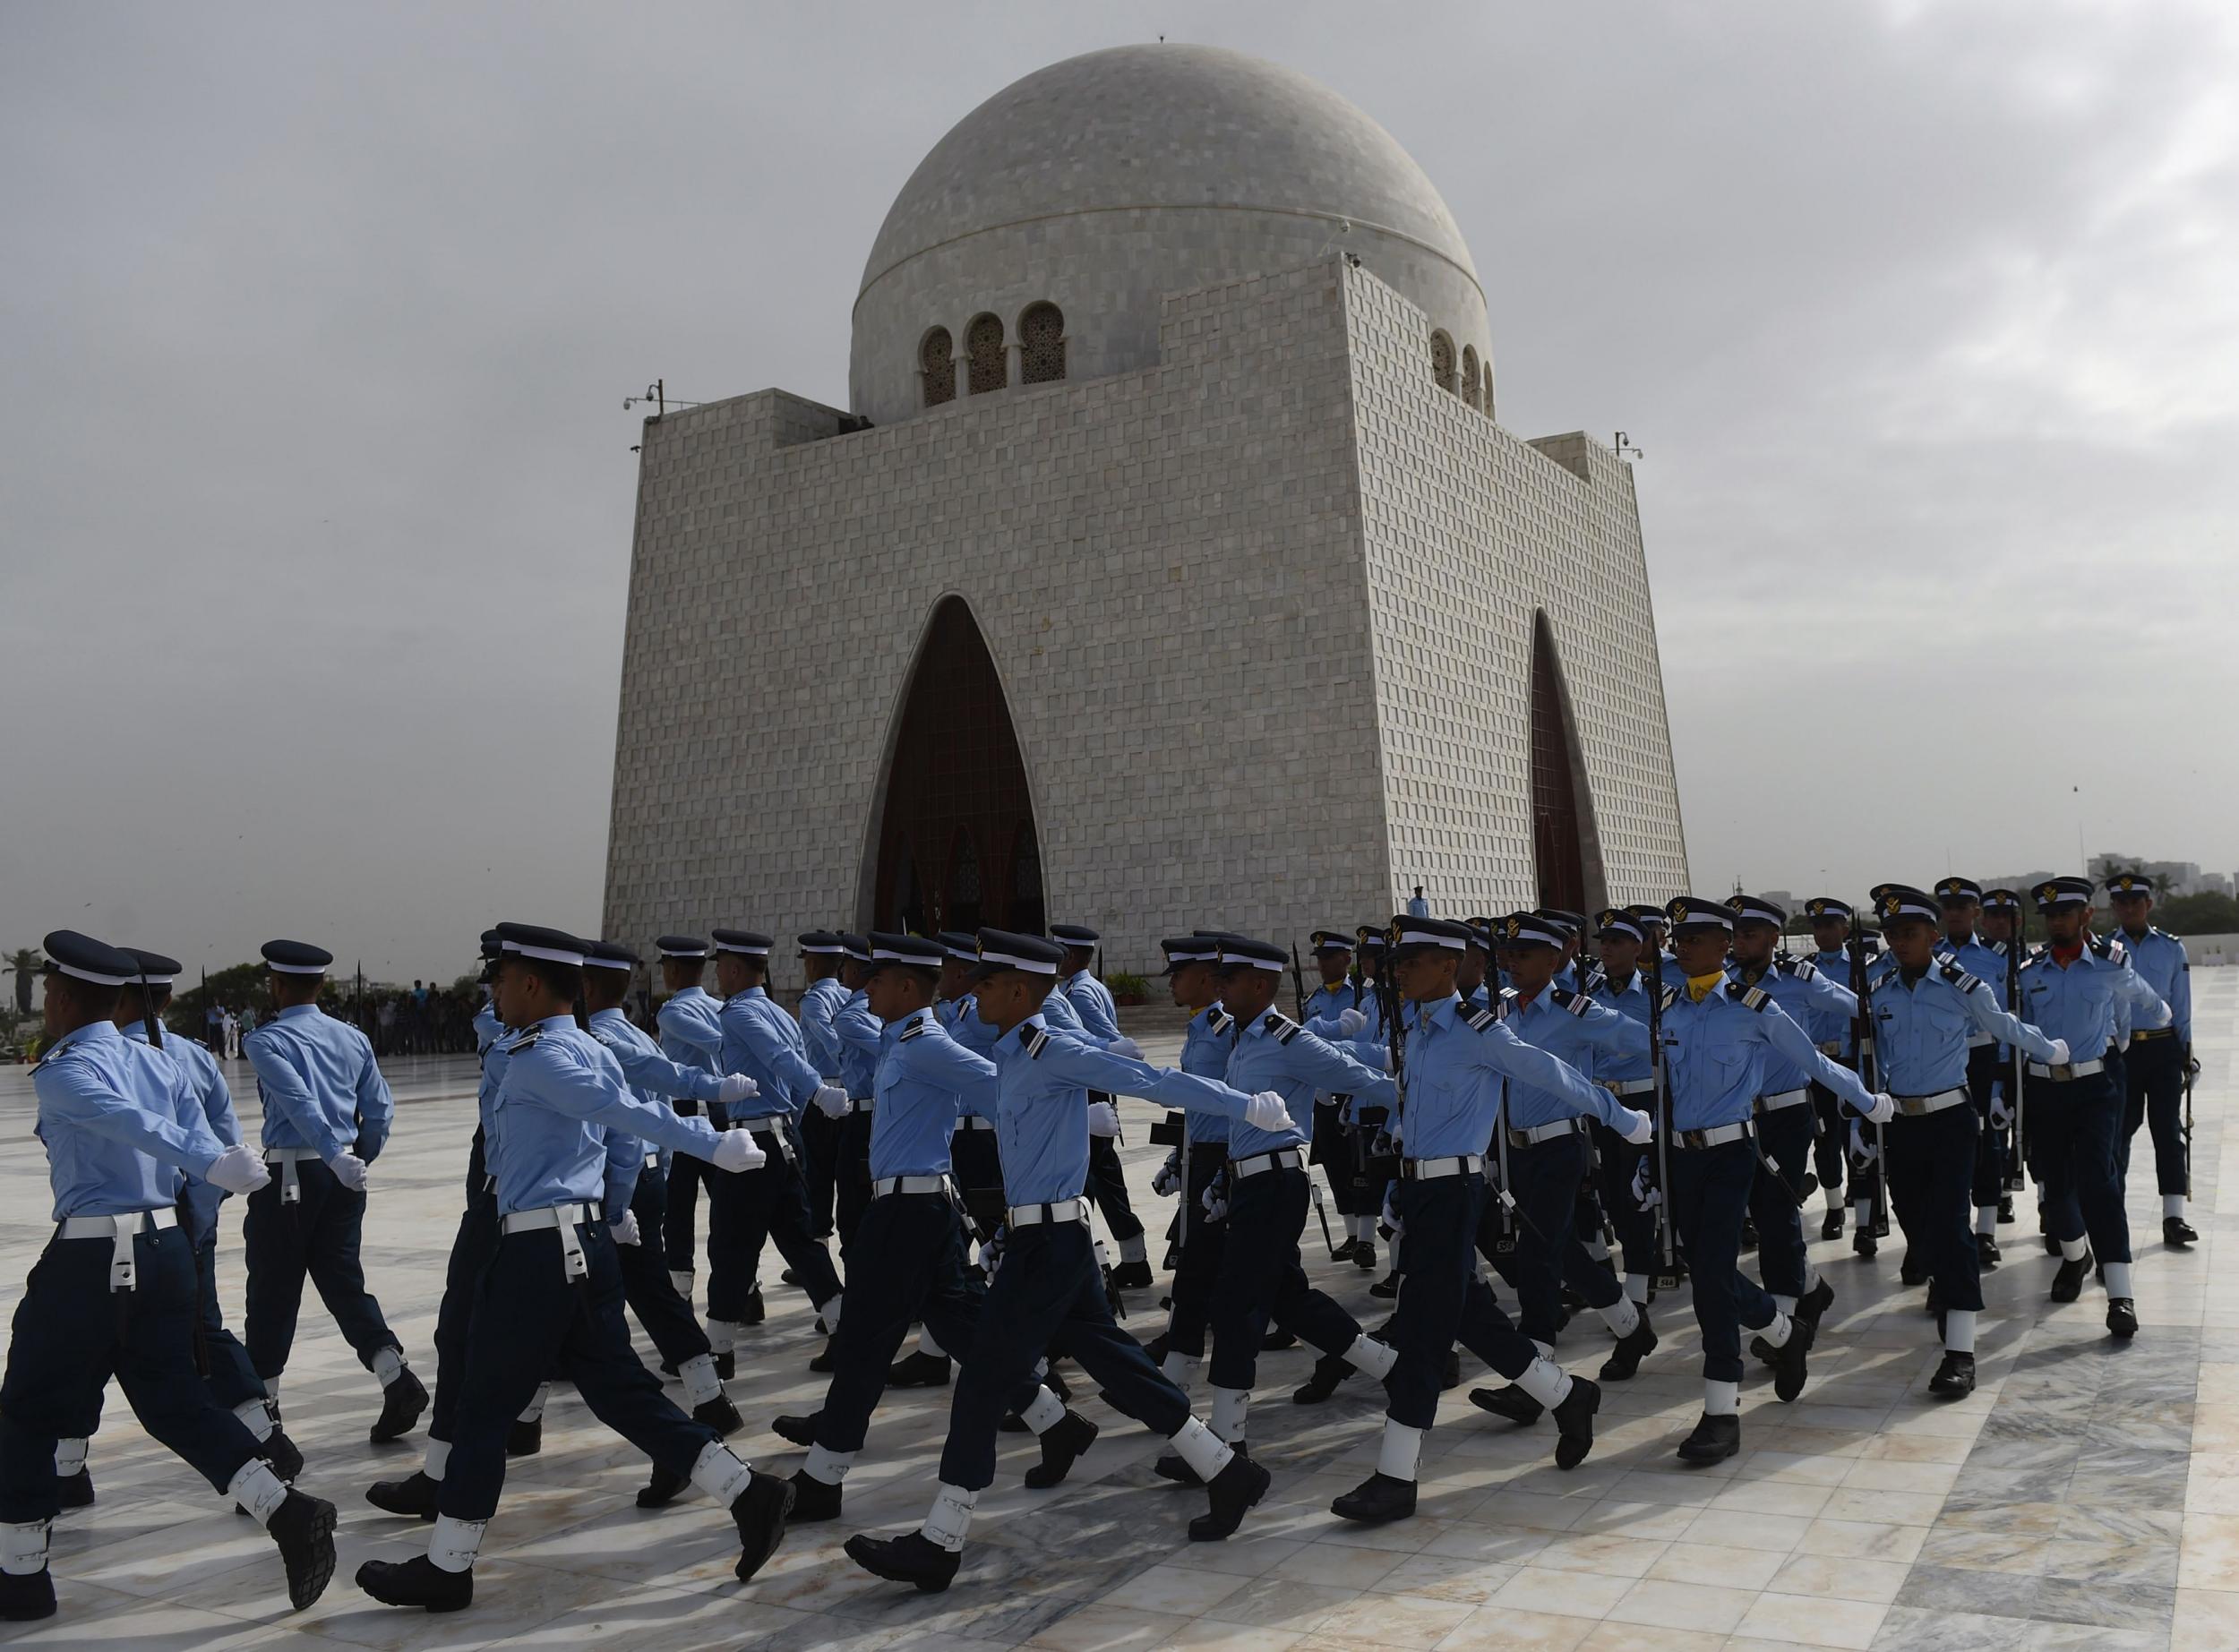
(1986, 1252)
(281, 1455)
(1788, 1369)
(1451, 1377)
(1231, 1494)
(1278, 1338)
(25, 1598)
(1062, 1443)
(2005, 1209)
(75, 1491)
(822, 1364)
(1345, 1251)
(795, 1429)
(726, 1365)
(1954, 1378)
(1385, 1288)
(303, 1528)
(1934, 1302)
(911, 1558)
(1634, 1345)
(1510, 1402)
(1813, 1304)
(414, 1496)
(1714, 1440)
(2051, 1245)
(813, 1499)
(1329, 1371)
(759, 1513)
(416, 1582)
(1131, 1276)
(755, 1310)
(1575, 1423)
(1376, 1499)
(525, 1438)
(2177, 1232)
(1863, 1242)
(401, 1403)
(1748, 1235)
(1764, 1352)
(920, 1370)
(2122, 1317)
(1170, 1466)
(720, 1415)
(1831, 1224)
(661, 1488)
(2067, 1282)
(1364, 1253)
(1911, 1273)
(786, 1276)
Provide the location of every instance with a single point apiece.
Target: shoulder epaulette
(1755, 998)
(1220, 1020)
(1958, 977)
(1479, 1020)
(1577, 1003)
(1672, 997)
(913, 1030)
(1281, 1025)
(1035, 1039)
(2107, 946)
(528, 1040)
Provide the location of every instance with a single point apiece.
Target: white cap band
(550, 955)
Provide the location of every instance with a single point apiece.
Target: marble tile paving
(2087, 1495)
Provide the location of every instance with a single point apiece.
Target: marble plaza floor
(2088, 1494)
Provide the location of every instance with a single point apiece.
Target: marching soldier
(1092, 1003)
(1625, 986)
(1830, 921)
(688, 1028)
(1193, 964)
(1961, 903)
(857, 1031)
(327, 1112)
(2002, 934)
(113, 1291)
(2158, 1062)
(823, 958)
(979, 1167)
(1333, 1136)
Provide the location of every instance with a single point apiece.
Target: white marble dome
(1105, 181)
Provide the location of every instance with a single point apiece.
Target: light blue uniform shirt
(1099, 1013)
(691, 1023)
(1715, 1053)
(213, 1105)
(322, 1087)
(819, 1003)
(960, 1019)
(1275, 1053)
(2160, 961)
(1921, 1029)
(655, 1078)
(1061, 1012)
(1418, 907)
(1986, 963)
(1810, 1000)
(1570, 1024)
(861, 1045)
(118, 1124)
(566, 1128)
(1041, 1106)
(755, 1044)
(1370, 1047)
(1825, 1027)
(1630, 1000)
(488, 1028)
(2078, 1002)
(1455, 1059)
(923, 1075)
(1205, 1045)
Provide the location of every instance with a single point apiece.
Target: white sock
(1180, 1369)
(454, 1544)
(1811, 1278)
(722, 1335)
(438, 1458)
(256, 1417)
(1045, 1413)
(1132, 1249)
(1787, 1304)
(1862, 1211)
(1546, 1382)
(2072, 1250)
(1958, 1330)
(829, 1313)
(1778, 1332)
(1204, 1451)
(256, 1488)
(1987, 1219)
(700, 1381)
(927, 1345)
(271, 1390)
(1636, 1288)
(1622, 1316)
(720, 1475)
(1547, 1349)
(1598, 1249)
(683, 1282)
(951, 1516)
(2173, 1204)
(1401, 1452)
(1230, 1405)
(1371, 1358)
(2118, 1279)
(1720, 1398)
(534, 1411)
(23, 1548)
(69, 1456)
(829, 1466)
(388, 1364)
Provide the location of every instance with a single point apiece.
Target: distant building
(2184, 875)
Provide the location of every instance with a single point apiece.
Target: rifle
(1862, 1034)
(1298, 981)
(2188, 1068)
(1660, 1100)
(1503, 1204)
(2016, 1175)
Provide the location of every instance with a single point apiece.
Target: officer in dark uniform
(2158, 1062)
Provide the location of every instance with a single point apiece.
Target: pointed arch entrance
(956, 846)
(1566, 848)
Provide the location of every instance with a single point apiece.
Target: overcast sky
(316, 489)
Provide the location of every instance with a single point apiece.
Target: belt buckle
(120, 1255)
(291, 1184)
(2064, 1073)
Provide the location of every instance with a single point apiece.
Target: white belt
(1832, 1047)
(1063, 1211)
(1786, 1097)
(118, 1231)
(565, 1218)
(1280, 1159)
(974, 1121)
(860, 1104)
(2074, 1069)
(1435, 1169)
(769, 1123)
(1628, 1086)
(1536, 1134)
(887, 1185)
(1914, 1107)
(1716, 1136)
(1977, 1040)
(652, 1160)
(288, 1159)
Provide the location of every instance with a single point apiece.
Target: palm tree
(24, 963)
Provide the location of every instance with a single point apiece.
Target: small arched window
(986, 366)
(1469, 374)
(1441, 362)
(937, 360)
(1041, 344)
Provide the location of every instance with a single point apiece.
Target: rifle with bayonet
(1862, 1035)
(1660, 1100)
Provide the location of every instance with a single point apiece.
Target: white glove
(349, 1170)
(624, 1228)
(1639, 1130)
(2001, 1115)
(1214, 1200)
(1646, 1194)
(735, 1150)
(736, 1088)
(1103, 1118)
(1863, 1152)
(1388, 1220)
(831, 1100)
(1350, 1021)
(2061, 1054)
(237, 1170)
(1127, 1047)
(1268, 1111)
(1885, 1109)
(1168, 1180)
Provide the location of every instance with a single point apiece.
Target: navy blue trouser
(1442, 1299)
(73, 1333)
(316, 1237)
(745, 1209)
(1831, 1147)
(1709, 1191)
(226, 1364)
(2072, 1128)
(471, 1248)
(1047, 1296)
(1205, 1242)
(1616, 1161)
(1987, 1065)
(680, 1227)
(1261, 1279)
(532, 1323)
(1785, 1136)
(1932, 1179)
(667, 1318)
(1545, 1178)
(2153, 1078)
(1107, 1187)
(819, 1156)
(977, 1165)
(851, 1175)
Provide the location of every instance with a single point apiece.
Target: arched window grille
(1040, 343)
